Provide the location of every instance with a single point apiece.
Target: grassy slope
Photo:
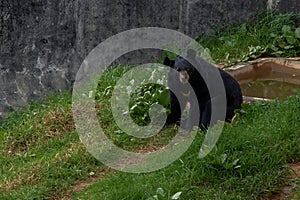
(40, 153)
(248, 161)
(41, 156)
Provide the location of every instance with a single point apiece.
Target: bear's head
(186, 70)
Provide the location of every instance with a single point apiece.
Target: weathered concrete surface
(43, 42)
(285, 6)
(203, 16)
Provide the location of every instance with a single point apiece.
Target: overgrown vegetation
(268, 34)
(41, 155)
(247, 163)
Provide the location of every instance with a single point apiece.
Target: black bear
(186, 73)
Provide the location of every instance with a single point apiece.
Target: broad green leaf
(244, 28)
(286, 29)
(176, 196)
(288, 47)
(235, 161)
(164, 98)
(291, 39)
(278, 53)
(282, 44)
(223, 158)
(153, 198)
(297, 33)
(161, 192)
(274, 48)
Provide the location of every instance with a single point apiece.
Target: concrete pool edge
(245, 71)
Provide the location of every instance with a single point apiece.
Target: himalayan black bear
(186, 73)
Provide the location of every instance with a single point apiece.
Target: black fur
(232, 89)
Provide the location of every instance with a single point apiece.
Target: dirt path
(288, 190)
(81, 185)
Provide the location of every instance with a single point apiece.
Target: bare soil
(287, 191)
(81, 185)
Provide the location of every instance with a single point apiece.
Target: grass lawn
(42, 157)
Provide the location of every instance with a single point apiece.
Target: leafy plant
(268, 34)
(201, 51)
(286, 42)
(143, 98)
(161, 194)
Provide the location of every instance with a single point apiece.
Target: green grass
(42, 157)
(140, 114)
(268, 34)
(40, 153)
(297, 188)
(248, 162)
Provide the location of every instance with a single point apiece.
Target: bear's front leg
(174, 116)
(193, 117)
(205, 116)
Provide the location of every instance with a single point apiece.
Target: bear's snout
(184, 77)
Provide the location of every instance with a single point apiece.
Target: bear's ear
(168, 62)
(191, 54)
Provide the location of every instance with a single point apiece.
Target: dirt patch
(287, 191)
(81, 185)
(295, 168)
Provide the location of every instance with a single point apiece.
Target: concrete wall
(285, 6)
(289, 6)
(43, 42)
